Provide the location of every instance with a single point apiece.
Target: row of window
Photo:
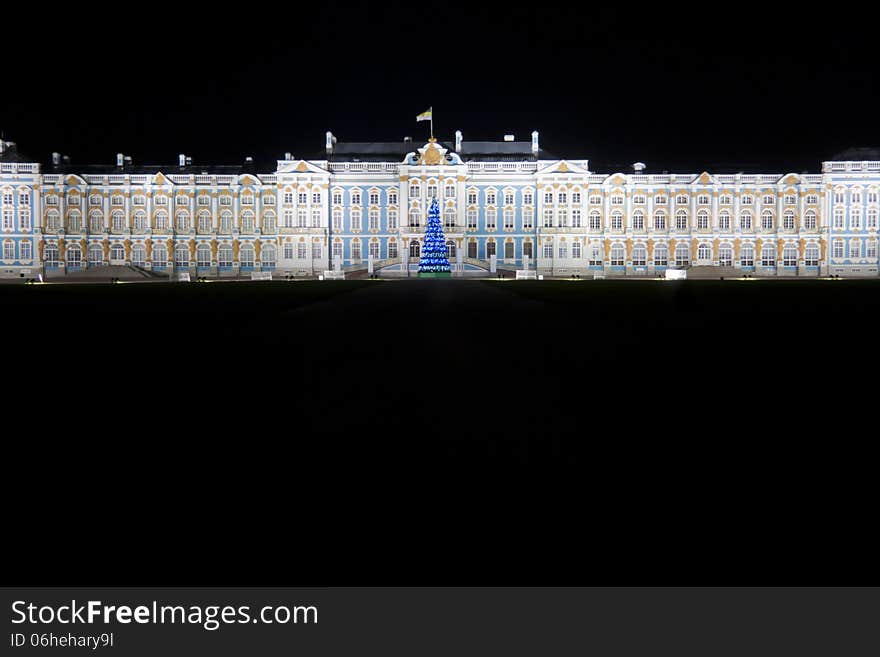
(300, 251)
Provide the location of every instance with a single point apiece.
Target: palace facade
(356, 202)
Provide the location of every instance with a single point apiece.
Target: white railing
(15, 167)
(269, 179)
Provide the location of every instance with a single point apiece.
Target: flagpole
(432, 121)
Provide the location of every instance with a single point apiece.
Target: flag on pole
(425, 116)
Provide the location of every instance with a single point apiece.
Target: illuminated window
(811, 256)
(768, 255)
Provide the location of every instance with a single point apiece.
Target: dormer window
(490, 198)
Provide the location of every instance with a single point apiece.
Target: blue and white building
(505, 198)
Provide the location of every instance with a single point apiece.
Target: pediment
(563, 166)
(298, 166)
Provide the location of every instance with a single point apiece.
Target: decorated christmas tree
(434, 262)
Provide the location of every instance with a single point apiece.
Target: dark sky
(674, 85)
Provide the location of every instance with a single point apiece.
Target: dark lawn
(719, 429)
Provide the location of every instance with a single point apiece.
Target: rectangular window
(528, 218)
(26, 250)
(317, 250)
(576, 250)
(528, 198)
(288, 251)
(548, 251)
(374, 250)
(392, 250)
(576, 198)
(472, 219)
(303, 198)
(356, 250)
(301, 250)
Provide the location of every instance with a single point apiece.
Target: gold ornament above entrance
(432, 154)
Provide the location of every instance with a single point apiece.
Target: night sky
(678, 86)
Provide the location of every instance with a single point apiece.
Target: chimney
(509, 138)
(330, 143)
(458, 141)
(56, 159)
(288, 156)
(181, 160)
(120, 159)
(638, 167)
(407, 140)
(536, 148)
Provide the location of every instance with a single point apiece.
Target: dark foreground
(702, 403)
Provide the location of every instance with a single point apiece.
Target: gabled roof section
(299, 166)
(563, 166)
(704, 178)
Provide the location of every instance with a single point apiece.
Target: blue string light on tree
(434, 261)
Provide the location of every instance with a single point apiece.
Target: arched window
(248, 223)
(659, 221)
(246, 255)
(53, 222)
(204, 221)
(725, 255)
(74, 256)
(768, 255)
(50, 255)
(140, 221)
(490, 249)
(702, 220)
(182, 221)
(617, 220)
(267, 256)
(138, 255)
(181, 255)
(224, 255)
(855, 249)
(661, 255)
(203, 255)
(704, 252)
(414, 218)
(117, 252)
(450, 249)
(789, 255)
(414, 249)
(872, 218)
(639, 256)
(96, 254)
(682, 255)
(226, 222)
(788, 220)
(766, 222)
(810, 220)
(118, 221)
(724, 220)
(161, 220)
(595, 220)
(745, 221)
(269, 222)
(618, 255)
(74, 221)
(638, 220)
(681, 220)
(811, 256)
(159, 255)
(96, 221)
